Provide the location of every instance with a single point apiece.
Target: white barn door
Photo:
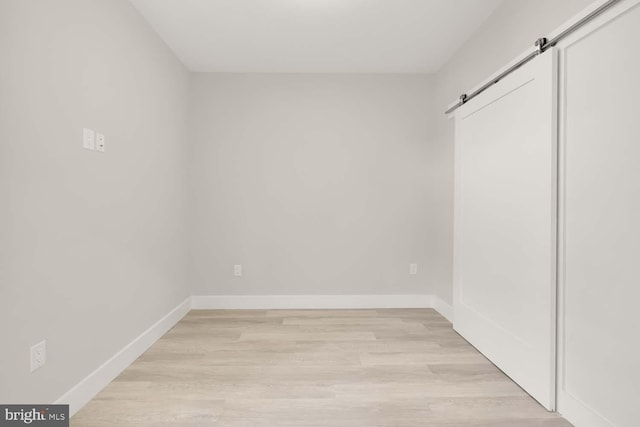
(599, 353)
(505, 225)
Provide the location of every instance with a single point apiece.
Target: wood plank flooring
(313, 368)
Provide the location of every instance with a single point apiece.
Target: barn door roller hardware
(541, 45)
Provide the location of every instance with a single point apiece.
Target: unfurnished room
(319, 213)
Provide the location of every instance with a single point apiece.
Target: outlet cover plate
(38, 355)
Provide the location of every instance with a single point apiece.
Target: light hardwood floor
(342, 368)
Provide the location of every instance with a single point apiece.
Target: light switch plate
(88, 139)
(237, 270)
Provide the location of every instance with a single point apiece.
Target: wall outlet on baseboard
(413, 269)
(38, 355)
(237, 270)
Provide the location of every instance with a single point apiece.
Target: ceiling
(320, 36)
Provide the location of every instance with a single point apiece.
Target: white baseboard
(266, 302)
(86, 389)
(443, 308)
(579, 413)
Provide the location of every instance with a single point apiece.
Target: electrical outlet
(413, 269)
(100, 142)
(38, 355)
(237, 270)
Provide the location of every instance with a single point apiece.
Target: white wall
(91, 245)
(316, 184)
(511, 29)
